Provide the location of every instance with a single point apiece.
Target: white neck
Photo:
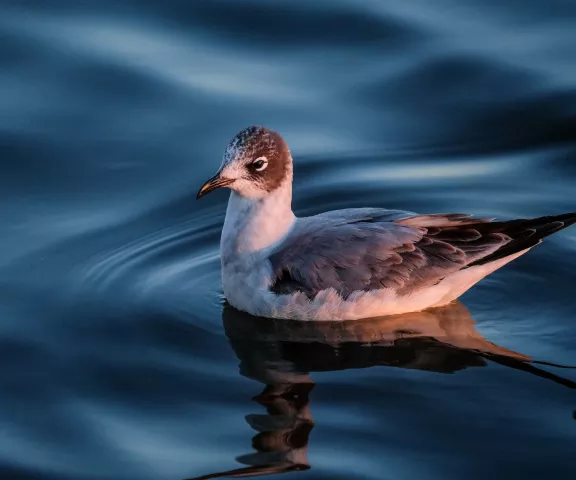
(254, 224)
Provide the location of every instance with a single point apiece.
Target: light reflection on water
(121, 359)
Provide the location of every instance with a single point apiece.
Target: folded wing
(368, 249)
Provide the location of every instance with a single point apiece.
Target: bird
(352, 263)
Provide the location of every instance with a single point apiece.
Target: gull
(353, 263)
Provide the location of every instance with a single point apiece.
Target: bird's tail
(525, 233)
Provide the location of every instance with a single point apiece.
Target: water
(120, 359)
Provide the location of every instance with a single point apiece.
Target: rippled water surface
(120, 358)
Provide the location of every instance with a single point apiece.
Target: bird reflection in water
(282, 353)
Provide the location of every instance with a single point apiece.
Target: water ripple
(121, 359)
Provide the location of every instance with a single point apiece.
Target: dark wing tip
(524, 234)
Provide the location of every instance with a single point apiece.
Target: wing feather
(367, 249)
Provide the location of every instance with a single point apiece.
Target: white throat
(254, 224)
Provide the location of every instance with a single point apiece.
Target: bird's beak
(215, 182)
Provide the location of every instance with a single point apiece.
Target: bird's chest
(251, 230)
(246, 281)
(246, 271)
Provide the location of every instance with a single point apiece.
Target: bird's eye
(260, 164)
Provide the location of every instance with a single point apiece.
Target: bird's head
(256, 162)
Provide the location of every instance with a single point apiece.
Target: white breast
(253, 227)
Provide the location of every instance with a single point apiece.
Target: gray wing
(366, 249)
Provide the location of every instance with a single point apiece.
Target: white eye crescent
(260, 164)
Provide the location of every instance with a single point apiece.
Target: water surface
(120, 357)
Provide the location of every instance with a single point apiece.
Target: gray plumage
(369, 249)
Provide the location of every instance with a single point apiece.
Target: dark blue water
(119, 358)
